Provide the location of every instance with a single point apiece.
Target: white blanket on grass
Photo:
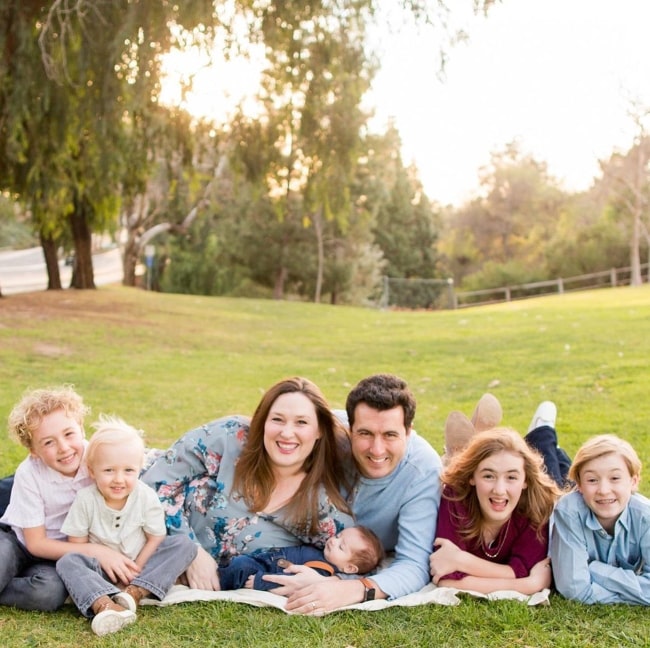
(429, 594)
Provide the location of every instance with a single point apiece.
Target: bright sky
(557, 75)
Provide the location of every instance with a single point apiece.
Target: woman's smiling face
(291, 431)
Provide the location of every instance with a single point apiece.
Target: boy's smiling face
(58, 443)
(606, 486)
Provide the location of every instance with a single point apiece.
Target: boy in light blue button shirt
(600, 542)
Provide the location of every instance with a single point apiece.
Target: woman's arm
(186, 475)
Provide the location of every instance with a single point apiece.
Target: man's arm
(310, 593)
(417, 518)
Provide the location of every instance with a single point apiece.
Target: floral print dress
(194, 479)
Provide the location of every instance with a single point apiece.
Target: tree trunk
(318, 228)
(278, 289)
(82, 271)
(131, 252)
(51, 262)
(635, 256)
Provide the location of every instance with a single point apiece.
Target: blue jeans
(86, 581)
(27, 582)
(557, 461)
(234, 574)
(6, 484)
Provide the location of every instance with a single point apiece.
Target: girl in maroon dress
(492, 529)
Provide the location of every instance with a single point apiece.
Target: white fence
(605, 279)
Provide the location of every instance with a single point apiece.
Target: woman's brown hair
(537, 499)
(254, 479)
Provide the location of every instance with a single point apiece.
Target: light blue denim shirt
(590, 565)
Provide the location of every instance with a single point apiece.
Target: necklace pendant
(503, 533)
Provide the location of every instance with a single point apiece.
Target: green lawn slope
(166, 363)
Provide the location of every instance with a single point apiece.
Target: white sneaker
(545, 414)
(126, 601)
(110, 621)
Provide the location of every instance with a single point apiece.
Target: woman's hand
(447, 558)
(202, 572)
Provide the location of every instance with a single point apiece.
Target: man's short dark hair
(382, 392)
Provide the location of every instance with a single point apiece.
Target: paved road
(24, 270)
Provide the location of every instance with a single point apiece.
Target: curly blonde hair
(35, 405)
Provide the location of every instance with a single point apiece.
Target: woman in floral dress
(236, 485)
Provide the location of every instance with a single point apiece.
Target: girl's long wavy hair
(254, 479)
(537, 500)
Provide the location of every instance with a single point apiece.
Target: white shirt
(42, 496)
(122, 530)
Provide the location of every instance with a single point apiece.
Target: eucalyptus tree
(309, 139)
(626, 179)
(510, 224)
(76, 78)
(304, 146)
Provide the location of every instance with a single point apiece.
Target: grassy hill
(166, 363)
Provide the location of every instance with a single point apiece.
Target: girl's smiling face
(499, 481)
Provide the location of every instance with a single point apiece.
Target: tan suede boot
(458, 433)
(487, 414)
(130, 598)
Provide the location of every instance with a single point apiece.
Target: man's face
(378, 440)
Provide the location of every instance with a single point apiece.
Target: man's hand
(310, 593)
(202, 572)
(298, 576)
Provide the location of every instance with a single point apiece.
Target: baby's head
(606, 470)
(35, 406)
(355, 550)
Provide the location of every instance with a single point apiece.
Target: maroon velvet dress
(516, 545)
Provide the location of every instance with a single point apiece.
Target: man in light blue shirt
(600, 540)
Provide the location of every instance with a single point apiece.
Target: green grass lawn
(166, 363)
